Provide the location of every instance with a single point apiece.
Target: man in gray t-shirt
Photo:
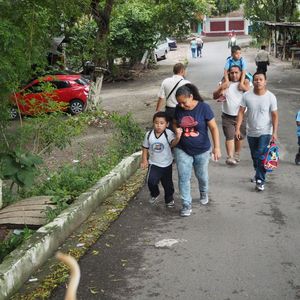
(262, 123)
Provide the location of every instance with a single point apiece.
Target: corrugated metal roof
(283, 24)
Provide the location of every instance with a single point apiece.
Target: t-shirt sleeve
(243, 102)
(273, 103)
(209, 114)
(298, 116)
(146, 141)
(244, 64)
(171, 135)
(161, 93)
(226, 67)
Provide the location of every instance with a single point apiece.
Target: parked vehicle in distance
(66, 92)
(161, 50)
(172, 44)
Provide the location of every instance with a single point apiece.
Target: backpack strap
(165, 134)
(173, 88)
(148, 135)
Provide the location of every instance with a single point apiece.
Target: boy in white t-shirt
(157, 156)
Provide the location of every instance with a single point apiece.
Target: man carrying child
(230, 108)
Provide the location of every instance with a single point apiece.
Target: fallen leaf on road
(93, 290)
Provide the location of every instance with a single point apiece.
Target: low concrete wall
(22, 262)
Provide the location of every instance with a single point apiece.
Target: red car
(50, 93)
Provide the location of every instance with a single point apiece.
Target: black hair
(235, 48)
(235, 66)
(263, 47)
(188, 90)
(260, 73)
(160, 114)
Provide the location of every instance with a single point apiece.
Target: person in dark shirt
(194, 148)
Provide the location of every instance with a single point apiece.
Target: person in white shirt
(262, 123)
(230, 108)
(166, 95)
(262, 59)
(199, 42)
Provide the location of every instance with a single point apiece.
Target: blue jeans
(257, 148)
(185, 164)
(194, 52)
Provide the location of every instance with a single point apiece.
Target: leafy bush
(72, 179)
(13, 241)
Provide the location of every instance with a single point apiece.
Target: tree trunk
(102, 18)
(94, 96)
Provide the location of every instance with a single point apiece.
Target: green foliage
(13, 241)
(129, 135)
(174, 17)
(73, 179)
(60, 204)
(26, 30)
(259, 11)
(133, 30)
(19, 167)
(225, 6)
(81, 46)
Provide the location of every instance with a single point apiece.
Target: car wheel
(164, 56)
(76, 107)
(14, 113)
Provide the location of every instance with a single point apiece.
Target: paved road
(243, 245)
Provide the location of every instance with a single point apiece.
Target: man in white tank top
(230, 108)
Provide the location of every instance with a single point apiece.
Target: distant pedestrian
(297, 158)
(194, 148)
(157, 157)
(262, 60)
(262, 123)
(193, 47)
(233, 95)
(166, 96)
(199, 42)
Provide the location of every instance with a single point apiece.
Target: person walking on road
(194, 148)
(262, 60)
(230, 108)
(199, 42)
(194, 47)
(168, 89)
(262, 123)
(158, 158)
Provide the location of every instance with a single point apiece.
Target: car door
(30, 98)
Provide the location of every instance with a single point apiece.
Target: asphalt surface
(243, 245)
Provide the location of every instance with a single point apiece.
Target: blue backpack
(270, 158)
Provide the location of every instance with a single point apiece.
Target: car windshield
(82, 81)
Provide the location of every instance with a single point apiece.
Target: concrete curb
(22, 262)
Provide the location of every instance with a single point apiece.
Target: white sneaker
(153, 200)
(186, 211)
(259, 185)
(203, 198)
